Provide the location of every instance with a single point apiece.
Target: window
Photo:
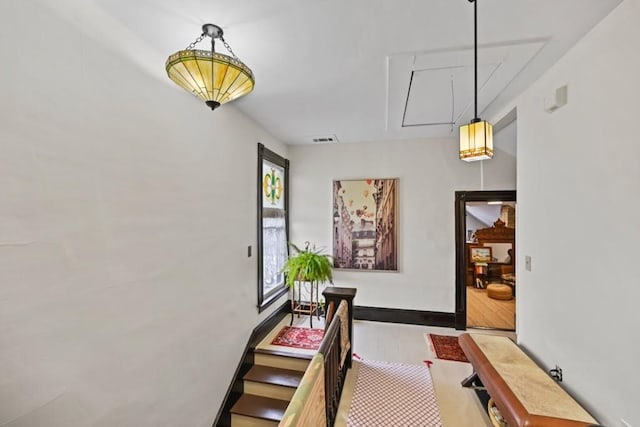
(273, 225)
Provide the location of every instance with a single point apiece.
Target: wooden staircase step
(282, 359)
(272, 382)
(275, 376)
(242, 421)
(281, 353)
(260, 407)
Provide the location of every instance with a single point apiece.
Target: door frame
(462, 197)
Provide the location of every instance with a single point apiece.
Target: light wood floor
(485, 312)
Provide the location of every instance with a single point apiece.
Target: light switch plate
(527, 262)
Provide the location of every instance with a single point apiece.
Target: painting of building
(364, 224)
(385, 245)
(342, 230)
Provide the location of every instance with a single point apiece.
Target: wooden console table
(525, 395)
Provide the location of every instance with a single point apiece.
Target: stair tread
(260, 407)
(284, 353)
(276, 376)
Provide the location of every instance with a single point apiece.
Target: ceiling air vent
(324, 139)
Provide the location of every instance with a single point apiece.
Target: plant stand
(310, 307)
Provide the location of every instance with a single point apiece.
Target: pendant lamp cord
(475, 57)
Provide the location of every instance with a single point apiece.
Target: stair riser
(269, 390)
(242, 421)
(281, 362)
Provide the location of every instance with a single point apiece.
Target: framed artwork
(365, 229)
(480, 254)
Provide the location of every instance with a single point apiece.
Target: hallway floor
(459, 407)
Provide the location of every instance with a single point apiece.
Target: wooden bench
(524, 394)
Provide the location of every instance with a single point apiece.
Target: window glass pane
(272, 186)
(274, 240)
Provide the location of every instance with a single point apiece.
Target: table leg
(293, 303)
(311, 305)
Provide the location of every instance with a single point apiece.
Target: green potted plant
(308, 265)
(311, 266)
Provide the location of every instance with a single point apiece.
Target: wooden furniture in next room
(510, 279)
(502, 241)
(523, 393)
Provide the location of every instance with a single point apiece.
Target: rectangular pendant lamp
(476, 138)
(476, 141)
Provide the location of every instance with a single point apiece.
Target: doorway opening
(485, 259)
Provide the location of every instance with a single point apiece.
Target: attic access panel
(440, 96)
(419, 86)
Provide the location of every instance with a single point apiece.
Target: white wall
(126, 207)
(473, 224)
(502, 168)
(578, 203)
(430, 173)
(481, 215)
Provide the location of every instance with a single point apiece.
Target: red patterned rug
(446, 347)
(291, 336)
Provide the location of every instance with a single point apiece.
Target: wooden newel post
(332, 296)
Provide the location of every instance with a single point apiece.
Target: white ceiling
(344, 67)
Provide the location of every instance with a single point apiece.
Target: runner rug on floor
(393, 394)
(291, 336)
(446, 347)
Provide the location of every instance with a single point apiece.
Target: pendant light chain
(196, 41)
(226, 45)
(193, 44)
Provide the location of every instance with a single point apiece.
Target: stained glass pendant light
(213, 77)
(476, 138)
